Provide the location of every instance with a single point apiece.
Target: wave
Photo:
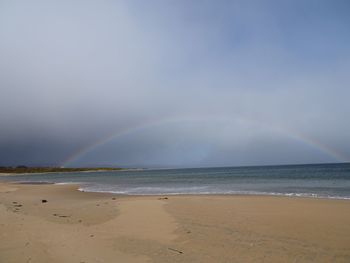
(201, 191)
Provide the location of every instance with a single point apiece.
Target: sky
(174, 83)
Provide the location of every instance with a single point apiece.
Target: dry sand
(73, 226)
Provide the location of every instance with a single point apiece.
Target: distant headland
(25, 169)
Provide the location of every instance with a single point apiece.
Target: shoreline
(57, 223)
(258, 194)
(306, 196)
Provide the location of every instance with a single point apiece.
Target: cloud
(75, 73)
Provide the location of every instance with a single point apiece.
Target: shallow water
(323, 180)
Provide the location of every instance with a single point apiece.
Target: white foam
(197, 191)
(67, 183)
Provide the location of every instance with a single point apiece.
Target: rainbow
(298, 136)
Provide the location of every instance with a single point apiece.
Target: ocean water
(322, 180)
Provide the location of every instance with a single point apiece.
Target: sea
(312, 180)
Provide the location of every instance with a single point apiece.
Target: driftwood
(175, 250)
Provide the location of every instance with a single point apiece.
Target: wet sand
(73, 226)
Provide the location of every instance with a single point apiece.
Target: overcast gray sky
(174, 83)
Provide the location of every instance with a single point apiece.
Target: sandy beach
(57, 223)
